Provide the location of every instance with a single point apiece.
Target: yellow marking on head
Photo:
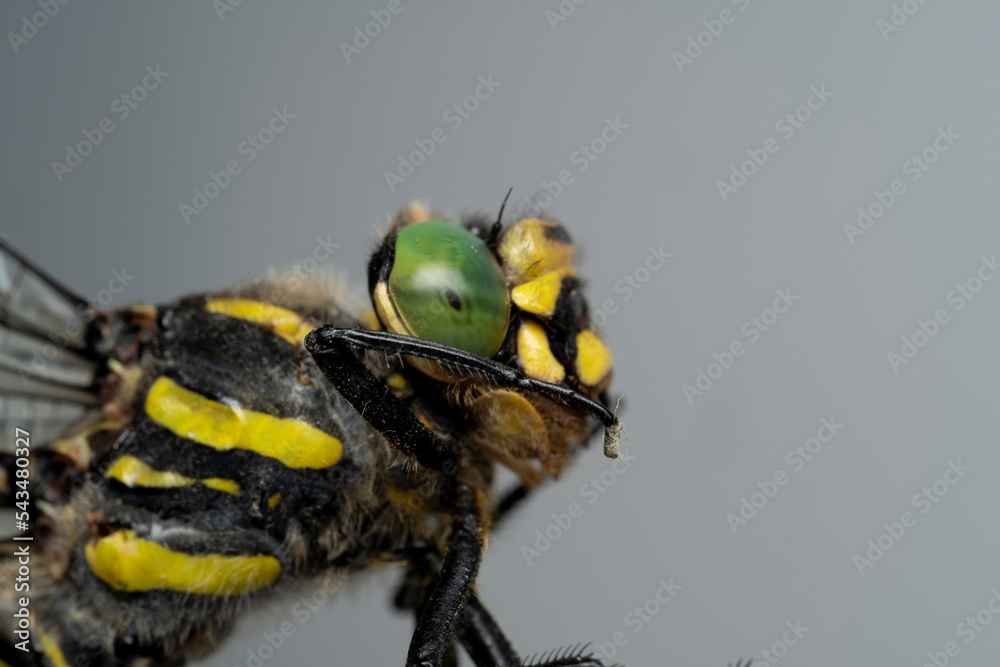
(396, 381)
(540, 296)
(129, 563)
(50, 647)
(531, 248)
(273, 501)
(536, 355)
(290, 441)
(288, 324)
(132, 472)
(593, 359)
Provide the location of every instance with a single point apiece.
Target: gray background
(826, 357)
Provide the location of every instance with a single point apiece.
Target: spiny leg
(335, 342)
(432, 639)
(482, 637)
(574, 656)
(439, 616)
(478, 632)
(373, 401)
(333, 350)
(489, 647)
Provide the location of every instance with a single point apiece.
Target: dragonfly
(169, 463)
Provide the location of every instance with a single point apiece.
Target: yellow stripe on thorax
(286, 323)
(129, 563)
(295, 443)
(132, 472)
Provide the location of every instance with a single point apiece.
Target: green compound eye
(448, 288)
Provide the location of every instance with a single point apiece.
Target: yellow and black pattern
(548, 336)
(236, 412)
(234, 445)
(216, 460)
(554, 340)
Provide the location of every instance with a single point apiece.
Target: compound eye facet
(447, 287)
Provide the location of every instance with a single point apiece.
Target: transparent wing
(32, 302)
(46, 371)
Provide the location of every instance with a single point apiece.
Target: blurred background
(787, 219)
